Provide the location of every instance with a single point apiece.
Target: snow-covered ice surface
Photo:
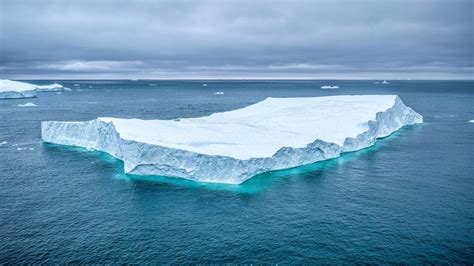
(10, 89)
(27, 105)
(231, 147)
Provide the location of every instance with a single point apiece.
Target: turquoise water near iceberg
(408, 199)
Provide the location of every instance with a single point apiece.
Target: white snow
(10, 89)
(231, 147)
(329, 87)
(27, 105)
(219, 93)
(10, 85)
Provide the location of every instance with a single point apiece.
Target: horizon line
(252, 79)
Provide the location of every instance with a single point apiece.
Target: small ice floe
(204, 85)
(329, 87)
(59, 92)
(152, 84)
(385, 82)
(219, 93)
(67, 89)
(376, 82)
(471, 121)
(3, 143)
(25, 148)
(27, 105)
(76, 85)
(90, 87)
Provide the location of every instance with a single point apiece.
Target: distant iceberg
(27, 105)
(231, 147)
(16, 90)
(52, 87)
(204, 85)
(329, 87)
(385, 82)
(10, 89)
(219, 93)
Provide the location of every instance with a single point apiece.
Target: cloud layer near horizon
(225, 39)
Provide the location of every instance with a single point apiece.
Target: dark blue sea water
(409, 199)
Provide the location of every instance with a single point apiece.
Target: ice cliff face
(215, 161)
(17, 94)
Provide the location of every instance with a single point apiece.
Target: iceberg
(52, 87)
(219, 93)
(329, 87)
(15, 89)
(385, 82)
(231, 147)
(10, 89)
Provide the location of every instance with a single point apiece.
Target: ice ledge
(150, 159)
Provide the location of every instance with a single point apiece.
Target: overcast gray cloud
(225, 39)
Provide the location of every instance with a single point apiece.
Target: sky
(301, 39)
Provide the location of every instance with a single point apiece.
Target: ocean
(408, 199)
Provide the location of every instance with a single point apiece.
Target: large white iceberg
(10, 89)
(231, 147)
